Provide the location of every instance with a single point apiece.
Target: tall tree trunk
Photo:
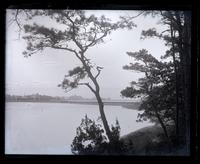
(181, 116)
(103, 116)
(101, 107)
(187, 75)
(176, 82)
(98, 97)
(184, 45)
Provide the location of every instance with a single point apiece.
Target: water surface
(49, 128)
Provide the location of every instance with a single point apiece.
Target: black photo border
(104, 5)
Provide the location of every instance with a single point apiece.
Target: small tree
(90, 139)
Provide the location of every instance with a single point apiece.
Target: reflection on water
(49, 128)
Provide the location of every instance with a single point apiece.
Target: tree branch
(63, 48)
(94, 42)
(89, 86)
(73, 36)
(16, 19)
(99, 71)
(136, 15)
(68, 49)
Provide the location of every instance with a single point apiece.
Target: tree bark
(162, 125)
(181, 116)
(98, 97)
(164, 130)
(103, 116)
(184, 45)
(187, 76)
(176, 83)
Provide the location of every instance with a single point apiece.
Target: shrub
(90, 139)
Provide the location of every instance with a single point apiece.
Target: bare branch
(89, 86)
(63, 48)
(164, 31)
(136, 15)
(99, 71)
(68, 49)
(16, 19)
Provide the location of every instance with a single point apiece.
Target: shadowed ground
(151, 141)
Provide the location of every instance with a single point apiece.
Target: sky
(42, 72)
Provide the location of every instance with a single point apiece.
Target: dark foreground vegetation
(91, 140)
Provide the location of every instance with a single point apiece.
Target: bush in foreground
(90, 139)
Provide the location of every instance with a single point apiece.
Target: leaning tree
(80, 33)
(156, 89)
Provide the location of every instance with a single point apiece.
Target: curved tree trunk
(162, 125)
(164, 130)
(97, 95)
(101, 107)
(103, 116)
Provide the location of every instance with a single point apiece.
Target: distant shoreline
(129, 105)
